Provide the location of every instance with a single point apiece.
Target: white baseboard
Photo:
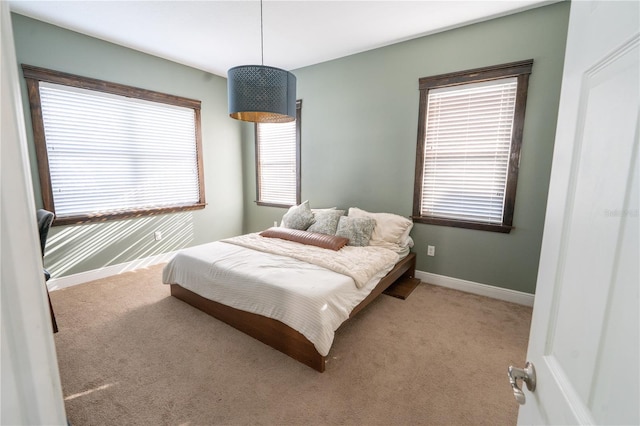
(107, 271)
(493, 292)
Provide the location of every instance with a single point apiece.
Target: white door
(585, 327)
(30, 390)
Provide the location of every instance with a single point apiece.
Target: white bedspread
(359, 263)
(308, 298)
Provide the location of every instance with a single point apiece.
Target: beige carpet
(130, 354)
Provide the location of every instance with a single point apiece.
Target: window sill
(505, 229)
(267, 204)
(103, 217)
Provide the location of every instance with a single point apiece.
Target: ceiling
(217, 35)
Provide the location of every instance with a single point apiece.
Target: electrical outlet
(157, 235)
(431, 250)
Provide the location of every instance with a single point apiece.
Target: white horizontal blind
(277, 164)
(109, 153)
(467, 150)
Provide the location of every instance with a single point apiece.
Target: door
(585, 332)
(31, 393)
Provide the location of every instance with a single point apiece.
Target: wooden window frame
(34, 75)
(259, 201)
(521, 70)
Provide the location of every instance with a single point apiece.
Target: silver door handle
(528, 375)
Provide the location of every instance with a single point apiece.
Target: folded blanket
(348, 261)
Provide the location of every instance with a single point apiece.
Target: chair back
(45, 218)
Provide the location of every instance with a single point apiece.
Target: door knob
(527, 375)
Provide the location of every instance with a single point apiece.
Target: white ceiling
(217, 35)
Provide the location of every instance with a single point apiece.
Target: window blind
(109, 153)
(467, 149)
(277, 163)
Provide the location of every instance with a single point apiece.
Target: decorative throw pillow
(298, 217)
(357, 229)
(326, 221)
(331, 242)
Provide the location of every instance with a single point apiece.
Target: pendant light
(261, 94)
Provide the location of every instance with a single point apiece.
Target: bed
(285, 291)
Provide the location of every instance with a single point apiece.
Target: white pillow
(390, 228)
(407, 243)
(406, 240)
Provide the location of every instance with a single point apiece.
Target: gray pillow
(357, 229)
(326, 221)
(298, 217)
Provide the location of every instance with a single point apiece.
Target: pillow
(390, 228)
(304, 237)
(326, 221)
(407, 243)
(357, 229)
(298, 217)
(405, 239)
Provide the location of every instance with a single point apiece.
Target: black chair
(45, 218)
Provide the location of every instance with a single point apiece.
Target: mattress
(307, 297)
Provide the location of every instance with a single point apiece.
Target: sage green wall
(359, 131)
(79, 248)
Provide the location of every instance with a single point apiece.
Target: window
(109, 151)
(469, 138)
(278, 162)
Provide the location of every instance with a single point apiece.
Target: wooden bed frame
(275, 333)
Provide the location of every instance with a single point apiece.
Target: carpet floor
(130, 354)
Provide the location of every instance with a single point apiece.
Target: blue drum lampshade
(261, 94)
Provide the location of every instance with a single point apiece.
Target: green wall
(359, 128)
(359, 132)
(79, 248)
